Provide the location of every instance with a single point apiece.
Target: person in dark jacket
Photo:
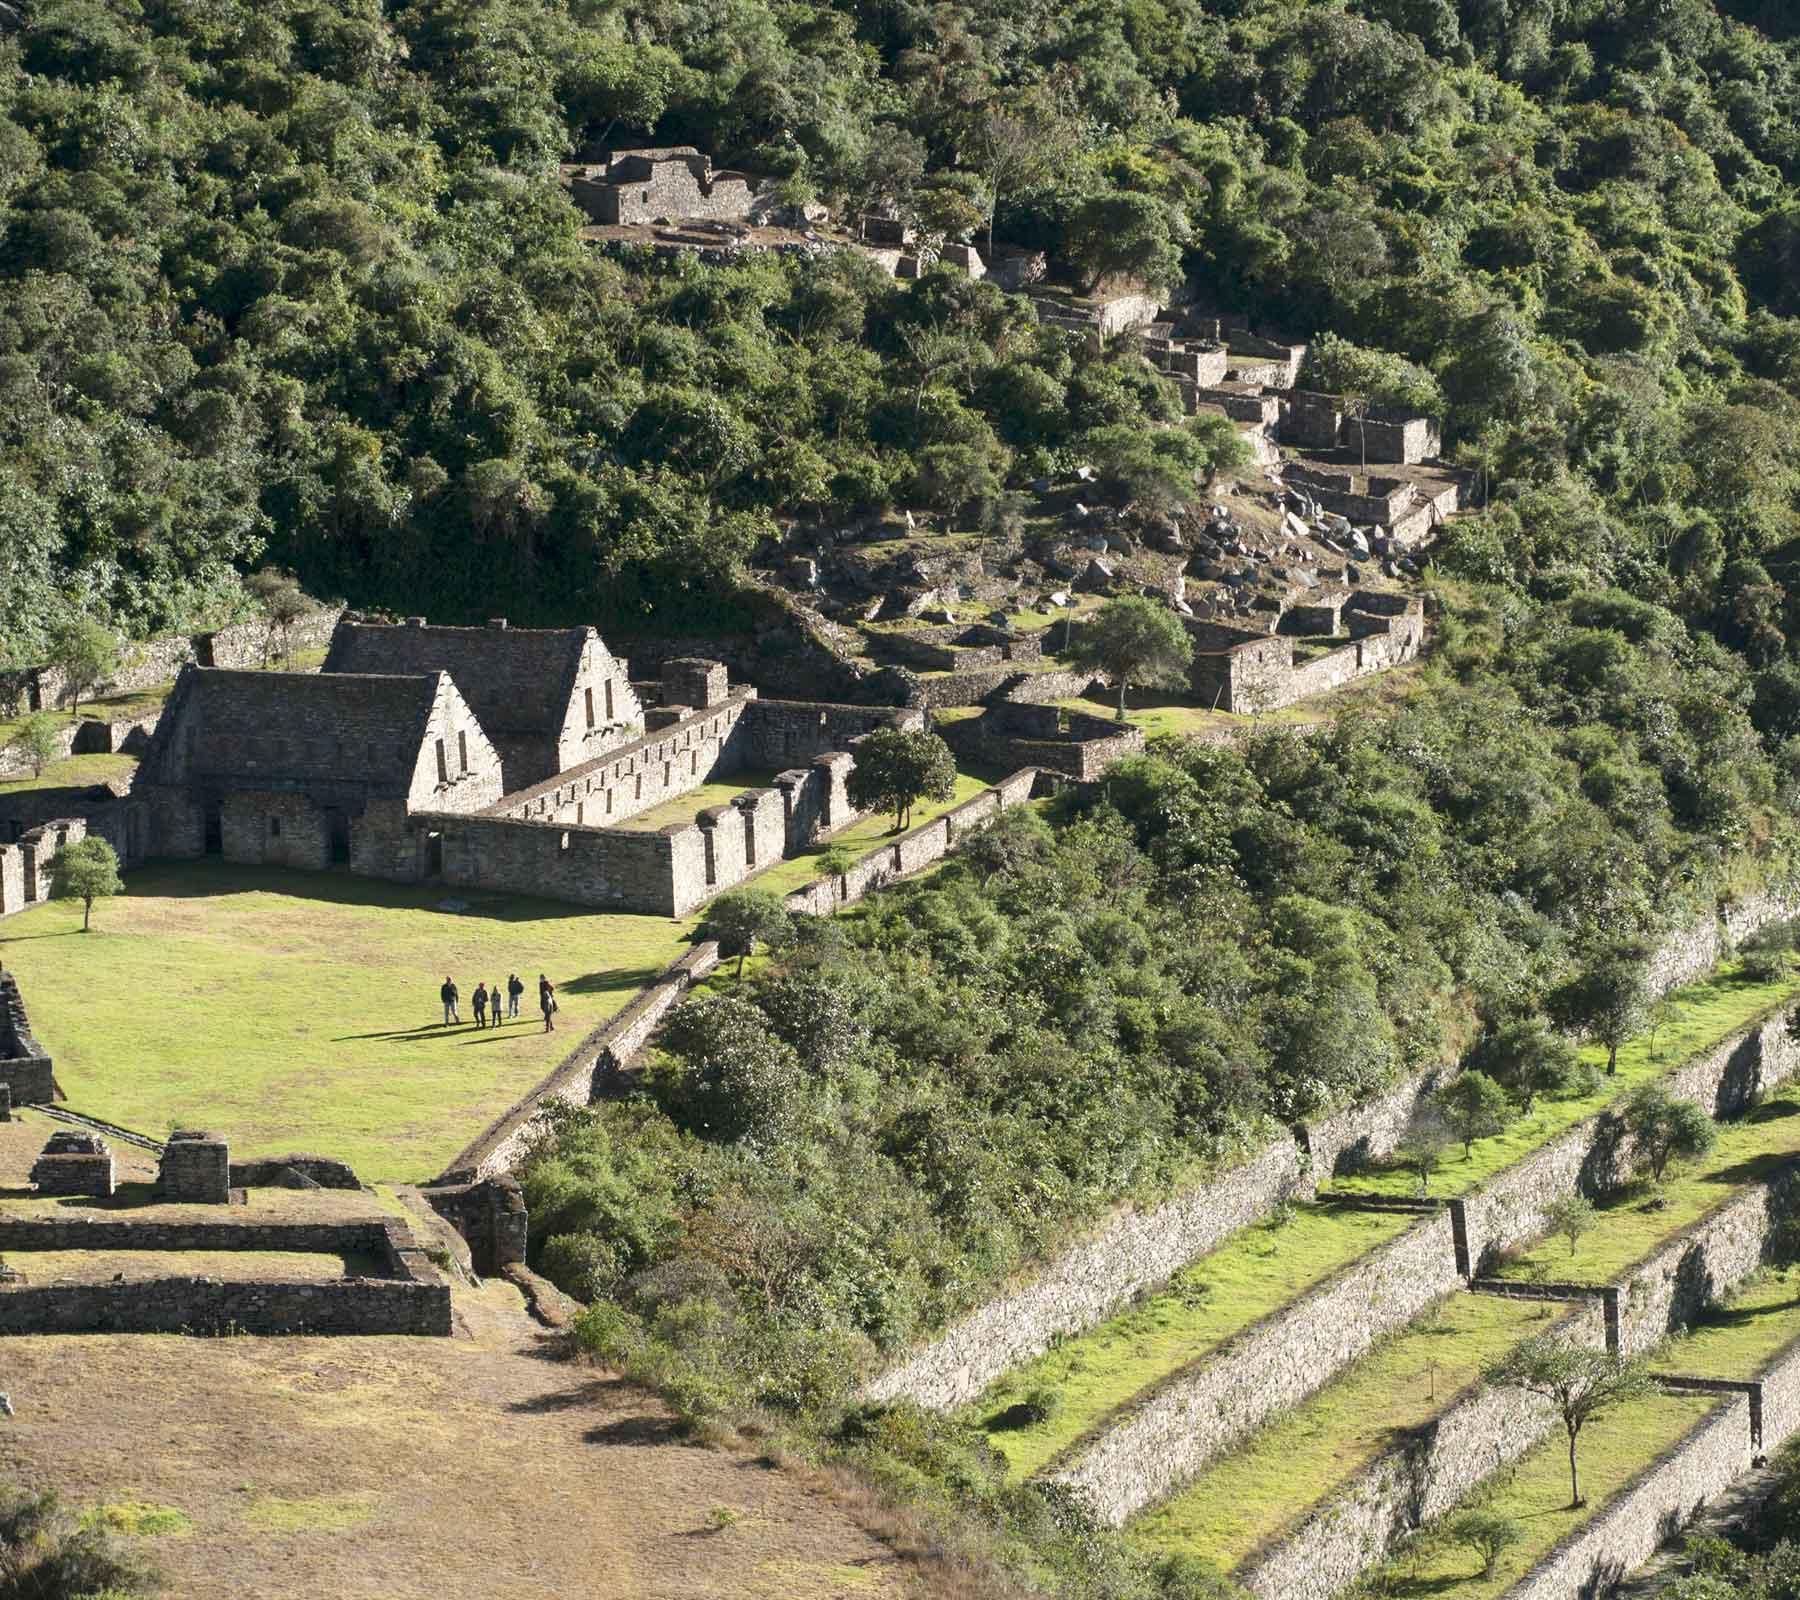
(547, 1002)
(448, 995)
(479, 1002)
(515, 986)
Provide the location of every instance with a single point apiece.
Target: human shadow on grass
(612, 978)
(583, 1394)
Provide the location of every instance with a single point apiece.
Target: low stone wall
(212, 1306)
(502, 1144)
(118, 1232)
(269, 1172)
(1480, 1431)
(159, 661)
(1165, 1436)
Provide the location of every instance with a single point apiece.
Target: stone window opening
(274, 827)
(443, 765)
(609, 802)
(462, 750)
(609, 700)
(668, 774)
(587, 696)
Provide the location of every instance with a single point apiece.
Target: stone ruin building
(1246, 671)
(636, 186)
(548, 698)
(74, 1163)
(383, 764)
(298, 769)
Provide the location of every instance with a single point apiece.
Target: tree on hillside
(1572, 1215)
(1422, 1148)
(283, 604)
(37, 741)
(744, 918)
(896, 768)
(1527, 1059)
(85, 653)
(1664, 1129)
(1581, 1383)
(1608, 998)
(87, 870)
(1475, 1107)
(1488, 1533)
(1128, 236)
(1134, 640)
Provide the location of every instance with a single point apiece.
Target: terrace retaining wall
(1166, 1435)
(1481, 1431)
(1440, 1463)
(1138, 1251)
(1171, 1432)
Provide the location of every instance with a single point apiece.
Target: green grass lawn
(1102, 1369)
(294, 1011)
(1701, 1016)
(1314, 1451)
(684, 806)
(1736, 1341)
(74, 772)
(1257, 1270)
(1635, 1224)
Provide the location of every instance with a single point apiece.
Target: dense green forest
(295, 282)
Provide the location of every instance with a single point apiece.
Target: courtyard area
(290, 1011)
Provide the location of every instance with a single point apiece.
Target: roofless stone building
(493, 758)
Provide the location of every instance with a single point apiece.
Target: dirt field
(473, 1468)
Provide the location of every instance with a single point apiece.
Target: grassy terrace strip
(1703, 1015)
(1247, 1497)
(862, 837)
(1100, 1371)
(1736, 1341)
(685, 806)
(75, 772)
(1257, 1270)
(1633, 1224)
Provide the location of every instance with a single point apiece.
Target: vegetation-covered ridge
(299, 279)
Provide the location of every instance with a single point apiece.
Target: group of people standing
(486, 1003)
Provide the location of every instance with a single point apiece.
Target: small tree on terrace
(86, 655)
(1488, 1533)
(1581, 1383)
(1475, 1107)
(283, 603)
(895, 769)
(1609, 998)
(1135, 640)
(1664, 1129)
(1572, 1215)
(87, 870)
(745, 918)
(1421, 1152)
(37, 741)
(1527, 1060)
